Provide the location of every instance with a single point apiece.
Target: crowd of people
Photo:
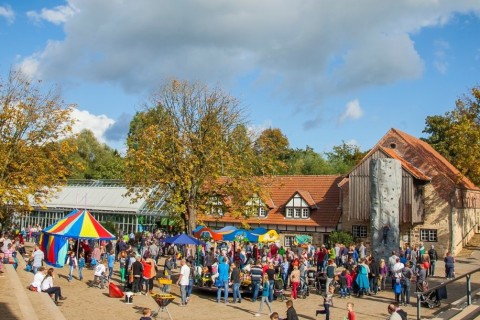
(251, 269)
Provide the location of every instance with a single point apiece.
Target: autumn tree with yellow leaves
(456, 135)
(32, 157)
(190, 147)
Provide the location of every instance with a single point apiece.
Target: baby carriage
(278, 290)
(303, 289)
(320, 282)
(431, 299)
(311, 278)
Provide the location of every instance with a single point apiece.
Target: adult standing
(374, 275)
(256, 278)
(421, 277)
(37, 257)
(407, 275)
(265, 295)
(449, 265)
(183, 281)
(223, 270)
(149, 273)
(235, 278)
(137, 271)
(167, 272)
(271, 279)
(432, 253)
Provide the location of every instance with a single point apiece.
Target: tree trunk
(191, 219)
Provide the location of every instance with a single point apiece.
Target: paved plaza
(84, 302)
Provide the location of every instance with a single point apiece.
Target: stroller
(320, 282)
(278, 290)
(431, 299)
(311, 278)
(303, 289)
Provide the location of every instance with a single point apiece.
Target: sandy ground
(84, 302)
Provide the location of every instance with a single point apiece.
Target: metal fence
(468, 288)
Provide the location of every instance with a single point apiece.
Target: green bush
(343, 237)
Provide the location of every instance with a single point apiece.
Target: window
(305, 213)
(215, 206)
(262, 212)
(297, 213)
(297, 208)
(289, 212)
(359, 231)
(428, 235)
(289, 240)
(255, 207)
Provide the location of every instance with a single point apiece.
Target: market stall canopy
(79, 224)
(182, 239)
(259, 231)
(207, 234)
(226, 230)
(240, 235)
(270, 236)
(303, 239)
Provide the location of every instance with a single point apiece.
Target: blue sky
(321, 71)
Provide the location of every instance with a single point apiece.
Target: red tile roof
(322, 191)
(417, 174)
(425, 158)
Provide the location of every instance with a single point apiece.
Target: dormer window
(297, 208)
(256, 207)
(215, 206)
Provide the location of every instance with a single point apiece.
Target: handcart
(163, 300)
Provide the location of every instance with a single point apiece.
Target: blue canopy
(226, 229)
(182, 239)
(198, 228)
(259, 231)
(239, 235)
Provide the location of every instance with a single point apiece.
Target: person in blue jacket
(265, 294)
(222, 280)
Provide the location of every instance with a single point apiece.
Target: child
(327, 303)
(81, 265)
(351, 314)
(397, 288)
(72, 263)
(291, 312)
(214, 271)
(123, 264)
(343, 284)
(274, 316)
(147, 314)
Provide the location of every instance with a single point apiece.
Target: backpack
(402, 314)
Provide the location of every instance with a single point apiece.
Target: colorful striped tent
(79, 224)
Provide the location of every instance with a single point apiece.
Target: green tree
(456, 135)
(344, 157)
(272, 147)
(94, 160)
(307, 162)
(32, 161)
(190, 147)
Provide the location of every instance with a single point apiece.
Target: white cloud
(57, 15)
(352, 111)
(440, 62)
(98, 124)
(7, 13)
(302, 52)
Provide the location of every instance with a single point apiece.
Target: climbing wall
(385, 190)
